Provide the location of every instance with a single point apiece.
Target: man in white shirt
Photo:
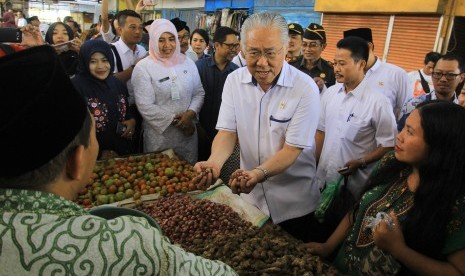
(128, 52)
(386, 78)
(357, 126)
(21, 20)
(272, 108)
(420, 80)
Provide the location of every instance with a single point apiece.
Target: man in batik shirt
(49, 153)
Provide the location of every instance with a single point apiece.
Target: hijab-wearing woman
(199, 42)
(107, 99)
(421, 186)
(168, 94)
(57, 34)
(8, 20)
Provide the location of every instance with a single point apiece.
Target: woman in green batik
(422, 187)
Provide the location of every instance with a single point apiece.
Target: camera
(13, 35)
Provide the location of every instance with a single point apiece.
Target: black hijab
(89, 48)
(89, 82)
(108, 91)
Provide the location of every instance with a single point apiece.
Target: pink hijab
(157, 28)
(8, 20)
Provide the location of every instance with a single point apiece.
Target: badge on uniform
(381, 83)
(175, 92)
(282, 105)
(322, 75)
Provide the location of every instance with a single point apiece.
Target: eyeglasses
(269, 55)
(186, 36)
(449, 76)
(232, 46)
(311, 45)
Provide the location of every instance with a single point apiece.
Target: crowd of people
(260, 109)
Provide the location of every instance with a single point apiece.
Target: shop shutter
(412, 37)
(336, 24)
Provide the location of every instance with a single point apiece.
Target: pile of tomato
(131, 177)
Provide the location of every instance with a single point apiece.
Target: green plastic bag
(327, 196)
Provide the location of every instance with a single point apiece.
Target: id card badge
(174, 88)
(174, 91)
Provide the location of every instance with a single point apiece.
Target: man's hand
(140, 6)
(31, 36)
(244, 181)
(208, 173)
(353, 166)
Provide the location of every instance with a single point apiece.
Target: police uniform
(322, 69)
(294, 28)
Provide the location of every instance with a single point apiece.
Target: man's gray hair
(266, 20)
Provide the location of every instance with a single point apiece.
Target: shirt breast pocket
(279, 124)
(358, 130)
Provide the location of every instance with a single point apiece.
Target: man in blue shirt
(213, 72)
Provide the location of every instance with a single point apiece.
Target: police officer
(311, 63)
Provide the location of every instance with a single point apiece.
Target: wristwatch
(265, 173)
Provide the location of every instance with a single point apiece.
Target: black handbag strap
(424, 83)
(119, 65)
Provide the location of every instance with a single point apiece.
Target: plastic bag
(372, 222)
(327, 197)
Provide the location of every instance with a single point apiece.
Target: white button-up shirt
(108, 37)
(390, 80)
(354, 124)
(286, 113)
(128, 58)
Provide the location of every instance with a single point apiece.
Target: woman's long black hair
(49, 33)
(442, 177)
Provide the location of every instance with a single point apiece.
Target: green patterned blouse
(44, 234)
(360, 256)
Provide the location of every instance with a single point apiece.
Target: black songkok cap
(315, 32)
(295, 28)
(41, 112)
(364, 33)
(179, 24)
